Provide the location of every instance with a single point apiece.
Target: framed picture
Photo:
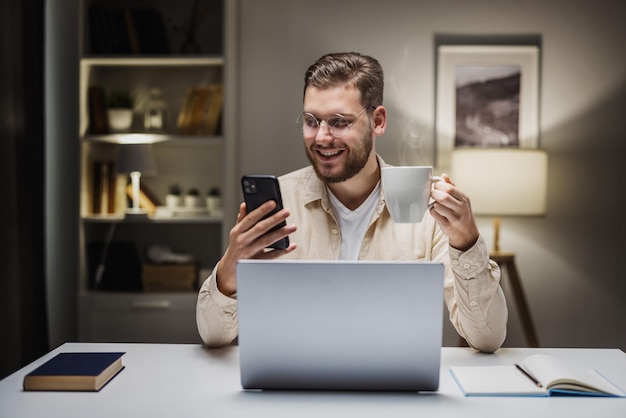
(486, 96)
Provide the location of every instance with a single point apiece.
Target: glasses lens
(338, 125)
(308, 123)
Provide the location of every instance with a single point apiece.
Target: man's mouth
(328, 153)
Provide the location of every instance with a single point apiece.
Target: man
(336, 210)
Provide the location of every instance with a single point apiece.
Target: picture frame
(489, 94)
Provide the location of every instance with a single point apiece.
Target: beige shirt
(472, 293)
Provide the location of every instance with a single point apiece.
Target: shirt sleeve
(216, 314)
(476, 302)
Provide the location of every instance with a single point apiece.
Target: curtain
(23, 326)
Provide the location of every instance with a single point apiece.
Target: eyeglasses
(337, 124)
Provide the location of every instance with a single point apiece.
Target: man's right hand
(247, 239)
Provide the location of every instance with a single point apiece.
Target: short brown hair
(348, 68)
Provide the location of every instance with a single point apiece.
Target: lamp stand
(135, 211)
(496, 234)
(506, 260)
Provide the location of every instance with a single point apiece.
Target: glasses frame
(330, 127)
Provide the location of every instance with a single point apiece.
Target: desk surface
(186, 380)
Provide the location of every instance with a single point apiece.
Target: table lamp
(136, 159)
(504, 182)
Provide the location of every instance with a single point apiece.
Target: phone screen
(258, 189)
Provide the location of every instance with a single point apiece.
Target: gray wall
(568, 260)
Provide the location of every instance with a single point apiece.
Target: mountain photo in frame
(486, 96)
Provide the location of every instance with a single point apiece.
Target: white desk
(178, 380)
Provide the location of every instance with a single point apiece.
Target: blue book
(75, 372)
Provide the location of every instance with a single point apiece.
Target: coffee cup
(407, 191)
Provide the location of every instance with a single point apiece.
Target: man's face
(338, 159)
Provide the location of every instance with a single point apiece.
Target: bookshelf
(145, 48)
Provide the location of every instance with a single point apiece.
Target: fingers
(446, 177)
(242, 212)
(251, 235)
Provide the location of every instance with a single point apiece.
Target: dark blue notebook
(75, 371)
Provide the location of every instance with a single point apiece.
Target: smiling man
(336, 211)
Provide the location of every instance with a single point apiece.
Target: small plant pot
(192, 202)
(214, 204)
(120, 120)
(173, 201)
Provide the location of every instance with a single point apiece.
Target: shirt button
(466, 266)
(455, 262)
(333, 231)
(473, 303)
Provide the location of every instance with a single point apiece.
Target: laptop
(340, 325)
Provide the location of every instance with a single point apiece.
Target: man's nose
(323, 133)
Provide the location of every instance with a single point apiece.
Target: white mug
(407, 191)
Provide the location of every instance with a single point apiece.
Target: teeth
(328, 153)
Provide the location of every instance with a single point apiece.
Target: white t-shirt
(353, 223)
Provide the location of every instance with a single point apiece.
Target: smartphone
(258, 189)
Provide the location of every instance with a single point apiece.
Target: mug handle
(434, 179)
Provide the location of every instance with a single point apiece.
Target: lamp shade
(502, 181)
(136, 157)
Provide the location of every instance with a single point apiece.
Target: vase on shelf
(192, 199)
(120, 120)
(214, 201)
(173, 198)
(120, 110)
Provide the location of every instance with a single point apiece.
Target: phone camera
(249, 186)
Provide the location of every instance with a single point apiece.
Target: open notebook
(340, 325)
(537, 375)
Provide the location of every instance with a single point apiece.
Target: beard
(356, 159)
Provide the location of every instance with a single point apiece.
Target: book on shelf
(213, 112)
(536, 375)
(75, 372)
(106, 191)
(107, 30)
(127, 30)
(101, 187)
(147, 32)
(202, 111)
(98, 121)
(199, 102)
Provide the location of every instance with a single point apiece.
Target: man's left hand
(453, 212)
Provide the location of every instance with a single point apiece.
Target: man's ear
(379, 118)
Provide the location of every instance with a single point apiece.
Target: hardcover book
(75, 372)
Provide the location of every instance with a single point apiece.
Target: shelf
(160, 61)
(111, 296)
(153, 138)
(153, 220)
(135, 58)
(176, 80)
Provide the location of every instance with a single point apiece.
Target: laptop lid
(340, 325)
